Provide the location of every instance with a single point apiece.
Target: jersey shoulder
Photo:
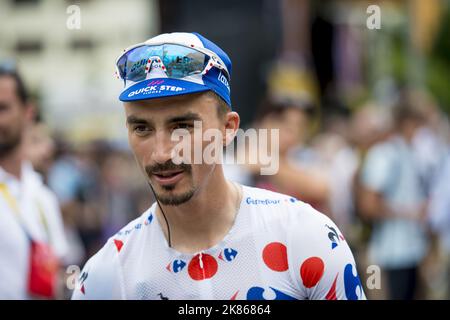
(101, 277)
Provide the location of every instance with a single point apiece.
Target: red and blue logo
(353, 286)
(81, 281)
(334, 237)
(228, 254)
(148, 220)
(176, 266)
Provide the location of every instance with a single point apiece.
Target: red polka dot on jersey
(206, 270)
(275, 256)
(311, 271)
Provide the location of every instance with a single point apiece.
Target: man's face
(12, 116)
(150, 126)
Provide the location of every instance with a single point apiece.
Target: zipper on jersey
(201, 264)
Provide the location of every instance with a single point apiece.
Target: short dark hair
(270, 107)
(21, 89)
(222, 106)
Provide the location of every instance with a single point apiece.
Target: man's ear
(232, 121)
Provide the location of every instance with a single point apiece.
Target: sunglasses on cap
(167, 60)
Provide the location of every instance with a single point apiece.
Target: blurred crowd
(381, 173)
(99, 190)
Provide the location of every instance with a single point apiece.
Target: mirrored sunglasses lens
(121, 64)
(182, 61)
(137, 61)
(179, 61)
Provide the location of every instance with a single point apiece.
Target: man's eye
(141, 129)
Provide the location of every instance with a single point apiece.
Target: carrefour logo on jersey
(176, 266)
(229, 254)
(250, 200)
(156, 89)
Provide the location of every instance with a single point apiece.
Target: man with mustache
(32, 239)
(206, 237)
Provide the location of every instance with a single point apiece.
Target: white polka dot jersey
(278, 248)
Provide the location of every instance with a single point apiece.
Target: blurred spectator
(439, 218)
(296, 175)
(41, 151)
(67, 179)
(369, 125)
(76, 179)
(32, 240)
(120, 193)
(99, 187)
(40, 148)
(394, 198)
(429, 142)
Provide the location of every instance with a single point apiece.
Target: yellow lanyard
(9, 198)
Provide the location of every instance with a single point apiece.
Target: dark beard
(172, 200)
(175, 200)
(6, 147)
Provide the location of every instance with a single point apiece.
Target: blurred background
(362, 113)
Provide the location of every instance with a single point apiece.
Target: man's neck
(204, 220)
(12, 163)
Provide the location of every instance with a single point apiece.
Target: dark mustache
(169, 165)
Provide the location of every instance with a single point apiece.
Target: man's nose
(162, 150)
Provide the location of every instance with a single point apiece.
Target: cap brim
(160, 87)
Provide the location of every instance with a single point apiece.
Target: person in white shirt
(439, 217)
(32, 238)
(394, 199)
(207, 237)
